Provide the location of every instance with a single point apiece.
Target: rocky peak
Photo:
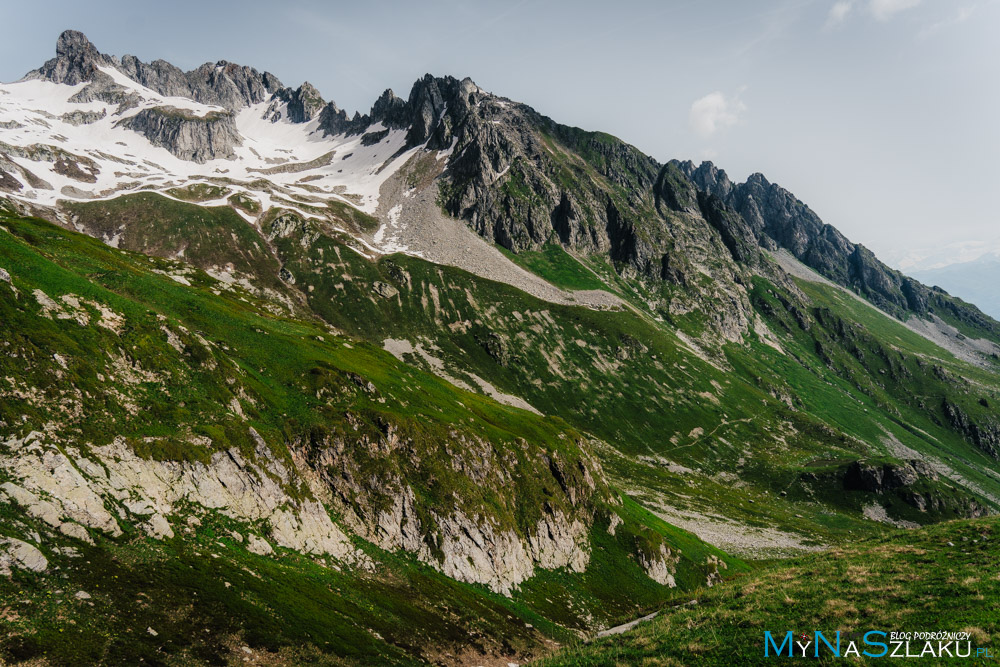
(334, 120)
(158, 75)
(778, 219)
(76, 61)
(675, 191)
(435, 107)
(304, 103)
(73, 43)
(707, 177)
(389, 109)
(223, 83)
(758, 180)
(230, 85)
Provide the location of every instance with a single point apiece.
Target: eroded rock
(54, 488)
(17, 554)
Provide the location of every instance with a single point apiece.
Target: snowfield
(70, 151)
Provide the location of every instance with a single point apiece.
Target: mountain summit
(222, 84)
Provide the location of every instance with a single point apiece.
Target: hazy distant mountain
(975, 281)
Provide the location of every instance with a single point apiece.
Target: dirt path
(625, 627)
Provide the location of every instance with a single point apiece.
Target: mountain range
(972, 281)
(446, 382)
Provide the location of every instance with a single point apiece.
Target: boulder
(17, 554)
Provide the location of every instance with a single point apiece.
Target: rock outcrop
(102, 88)
(461, 540)
(475, 549)
(774, 218)
(15, 553)
(223, 83)
(985, 435)
(304, 103)
(661, 566)
(186, 135)
(97, 491)
(879, 478)
(911, 482)
(83, 117)
(76, 61)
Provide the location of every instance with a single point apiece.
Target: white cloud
(880, 10)
(961, 16)
(944, 254)
(715, 112)
(709, 154)
(838, 13)
(883, 10)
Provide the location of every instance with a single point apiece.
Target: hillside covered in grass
(177, 457)
(294, 377)
(941, 578)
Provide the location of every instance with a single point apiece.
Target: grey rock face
(17, 554)
(736, 234)
(333, 120)
(76, 61)
(104, 89)
(223, 83)
(985, 435)
(83, 117)
(474, 550)
(435, 106)
(230, 85)
(189, 137)
(8, 183)
(158, 75)
(900, 479)
(660, 566)
(52, 487)
(775, 218)
(460, 541)
(708, 178)
(304, 103)
(390, 109)
(259, 546)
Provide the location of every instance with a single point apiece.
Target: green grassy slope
(557, 266)
(156, 360)
(939, 578)
(771, 417)
(760, 436)
(203, 236)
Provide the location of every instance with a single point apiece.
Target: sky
(881, 115)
